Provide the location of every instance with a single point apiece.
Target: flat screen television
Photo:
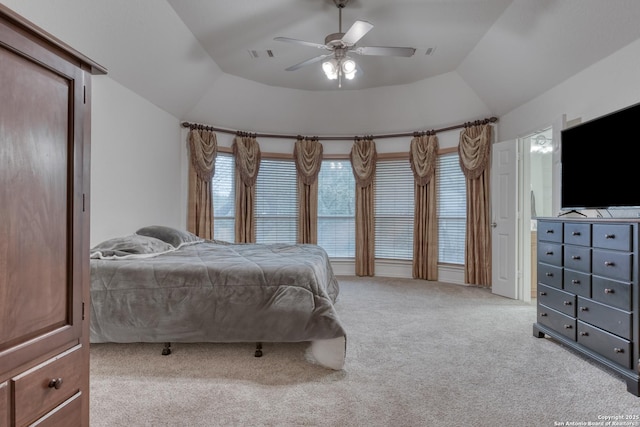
(601, 162)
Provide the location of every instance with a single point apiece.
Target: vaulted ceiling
(507, 51)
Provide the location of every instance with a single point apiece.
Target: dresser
(587, 293)
(45, 110)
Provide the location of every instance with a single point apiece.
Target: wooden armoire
(45, 111)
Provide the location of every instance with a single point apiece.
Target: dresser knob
(609, 263)
(543, 293)
(550, 231)
(543, 314)
(609, 236)
(575, 282)
(608, 291)
(567, 303)
(584, 309)
(55, 383)
(575, 233)
(618, 350)
(549, 274)
(584, 334)
(575, 257)
(549, 253)
(568, 326)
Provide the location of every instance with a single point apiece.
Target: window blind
(223, 196)
(276, 206)
(336, 209)
(394, 210)
(452, 210)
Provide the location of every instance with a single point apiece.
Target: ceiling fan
(340, 44)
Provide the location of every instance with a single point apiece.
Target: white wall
(136, 172)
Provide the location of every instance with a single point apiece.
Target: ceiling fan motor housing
(335, 40)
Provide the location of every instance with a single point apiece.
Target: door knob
(494, 225)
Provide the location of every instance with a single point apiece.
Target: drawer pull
(543, 314)
(55, 383)
(575, 257)
(618, 350)
(575, 282)
(609, 263)
(549, 252)
(543, 293)
(584, 334)
(575, 233)
(567, 302)
(549, 274)
(584, 308)
(568, 326)
(609, 236)
(549, 231)
(608, 291)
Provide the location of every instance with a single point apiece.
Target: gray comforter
(210, 292)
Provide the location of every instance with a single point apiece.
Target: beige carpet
(418, 354)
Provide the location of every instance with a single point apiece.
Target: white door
(504, 178)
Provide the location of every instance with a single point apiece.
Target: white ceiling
(508, 51)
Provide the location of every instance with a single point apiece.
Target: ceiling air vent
(255, 54)
(430, 51)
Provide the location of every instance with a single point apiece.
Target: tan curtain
(307, 154)
(423, 156)
(475, 156)
(246, 151)
(203, 148)
(363, 161)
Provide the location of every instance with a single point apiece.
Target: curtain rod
(339, 138)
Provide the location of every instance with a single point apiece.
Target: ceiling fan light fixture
(349, 66)
(330, 68)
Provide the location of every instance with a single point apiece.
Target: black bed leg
(258, 349)
(167, 349)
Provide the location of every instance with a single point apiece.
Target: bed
(163, 285)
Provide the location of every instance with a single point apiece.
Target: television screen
(600, 162)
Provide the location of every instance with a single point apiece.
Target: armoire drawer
(577, 258)
(47, 385)
(612, 236)
(611, 292)
(557, 321)
(610, 319)
(577, 282)
(611, 264)
(550, 275)
(559, 300)
(550, 231)
(577, 234)
(4, 404)
(67, 414)
(610, 346)
(550, 253)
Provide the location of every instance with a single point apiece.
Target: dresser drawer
(577, 283)
(557, 321)
(577, 258)
(612, 236)
(559, 300)
(610, 346)
(612, 264)
(550, 253)
(611, 292)
(610, 319)
(550, 231)
(46, 386)
(577, 234)
(550, 275)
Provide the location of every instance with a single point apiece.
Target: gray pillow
(130, 245)
(172, 236)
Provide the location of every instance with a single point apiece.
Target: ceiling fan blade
(301, 42)
(356, 32)
(307, 62)
(385, 51)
